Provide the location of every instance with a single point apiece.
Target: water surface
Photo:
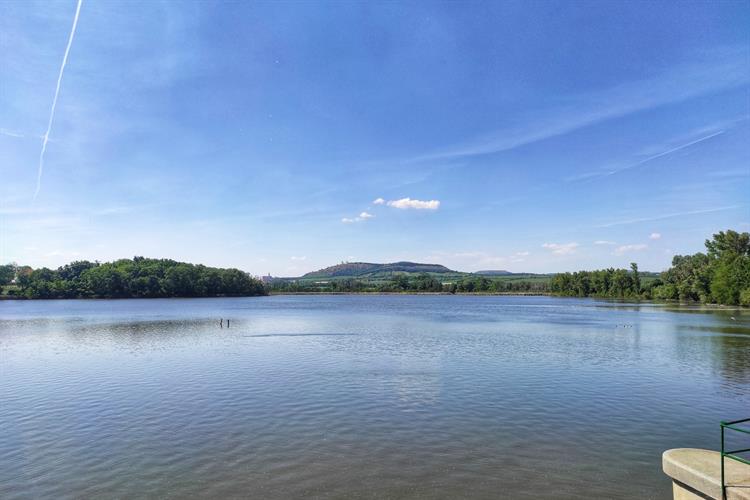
(361, 396)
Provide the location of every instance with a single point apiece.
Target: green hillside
(370, 270)
(401, 276)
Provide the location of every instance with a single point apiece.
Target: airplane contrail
(669, 151)
(592, 175)
(45, 138)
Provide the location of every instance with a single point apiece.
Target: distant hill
(371, 270)
(493, 273)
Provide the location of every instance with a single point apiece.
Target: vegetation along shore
(721, 275)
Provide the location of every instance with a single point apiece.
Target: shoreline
(520, 294)
(270, 294)
(467, 294)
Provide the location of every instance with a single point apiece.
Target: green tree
(7, 274)
(636, 278)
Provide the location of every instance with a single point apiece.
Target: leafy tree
(720, 275)
(7, 274)
(730, 262)
(137, 277)
(636, 277)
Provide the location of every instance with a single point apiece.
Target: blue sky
(283, 137)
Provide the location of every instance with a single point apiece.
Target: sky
(283, 137)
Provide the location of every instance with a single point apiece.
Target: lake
(357, 396)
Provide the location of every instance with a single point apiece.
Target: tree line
(409, 283)
(128, 278)
(609, 283)
(719, 276)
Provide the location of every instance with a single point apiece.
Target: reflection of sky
(459, 392)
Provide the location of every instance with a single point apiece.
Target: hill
(371, 270)
(493, 273)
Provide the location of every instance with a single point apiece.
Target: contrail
(592, 175)
(45, 138)
(669, 216)
(669, 151)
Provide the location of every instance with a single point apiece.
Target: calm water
(361, 396)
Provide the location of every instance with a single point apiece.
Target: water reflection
(372, 397)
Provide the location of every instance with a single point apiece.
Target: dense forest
(128, 278)
(611, 283)
(719, 276)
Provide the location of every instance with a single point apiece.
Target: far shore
(470, 294)
(530, 294)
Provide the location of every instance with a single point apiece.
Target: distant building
(266, 279)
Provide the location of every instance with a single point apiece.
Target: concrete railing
(696, 474)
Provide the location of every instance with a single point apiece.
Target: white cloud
(301, 257)
(621, 250)
(655, 236)
(604, 242)
(363, 216)
(407, 203)
(378, 201)
(561, 248)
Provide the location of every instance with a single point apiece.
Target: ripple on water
(360, 397)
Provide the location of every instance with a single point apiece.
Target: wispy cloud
(655, 236)
(725, 174)
(671, 150)
(298, 258)
(722, 69)
(378, 201)
(45, 138)
(668, 216)
(11, 133)
(604, 242)
(408, 203)
(363, 216)
(623, 249)
(561, 248)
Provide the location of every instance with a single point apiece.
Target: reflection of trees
(139, 334)
(715, 341)
(731, 357)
